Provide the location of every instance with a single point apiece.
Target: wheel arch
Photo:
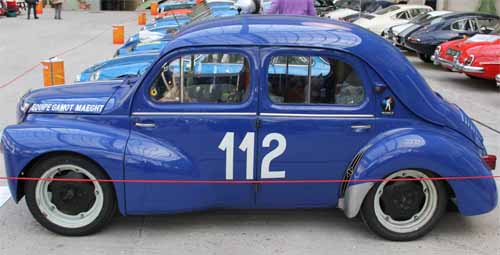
(432, 151)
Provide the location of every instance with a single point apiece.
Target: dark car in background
(450, 27)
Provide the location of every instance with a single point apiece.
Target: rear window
(387, 10)
(313, 80)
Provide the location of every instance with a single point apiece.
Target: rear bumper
(466, 68)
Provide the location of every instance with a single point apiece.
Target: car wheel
(70, 208)
(404, 210)
(424, 57)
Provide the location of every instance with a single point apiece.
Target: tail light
(491, 161)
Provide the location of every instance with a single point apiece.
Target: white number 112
(248, 146)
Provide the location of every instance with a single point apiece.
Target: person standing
(32, 6)
(58, 8)
(292, 7)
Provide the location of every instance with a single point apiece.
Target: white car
(348, 8)
(391, 16)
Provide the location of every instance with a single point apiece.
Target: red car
(477, 56)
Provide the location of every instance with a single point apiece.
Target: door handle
(360, 128)
(145, 125)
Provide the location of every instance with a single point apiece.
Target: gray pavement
(24, 43)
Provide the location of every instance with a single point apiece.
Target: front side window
(461, 26)
(203, 78)
(319, 80)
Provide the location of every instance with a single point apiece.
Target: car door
(188, 113)
(314, 117)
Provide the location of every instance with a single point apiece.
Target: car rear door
(189, 116)
(315, 115)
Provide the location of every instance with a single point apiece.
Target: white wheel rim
(418, 220)
(43, 198)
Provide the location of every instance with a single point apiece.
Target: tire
(70, 208)
(426, 216)
(424, 57)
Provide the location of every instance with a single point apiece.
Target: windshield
(387, 10)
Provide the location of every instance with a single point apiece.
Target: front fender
(440, 151)
(41, 134)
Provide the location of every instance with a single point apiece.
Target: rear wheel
(404, 210)
(70, 208)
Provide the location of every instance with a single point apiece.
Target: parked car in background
(181, 139)
(324, 6)
(381, 20)
(447, 53)
(172, 7)
(356, 8)
(117, 68)
(481, 60)
(450, 27)
(397, 34)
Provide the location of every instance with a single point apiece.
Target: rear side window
(203, 78)
(313, 80)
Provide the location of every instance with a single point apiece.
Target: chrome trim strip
(194, 114)
(339, 116)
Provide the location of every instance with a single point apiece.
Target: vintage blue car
(138, 47)
(366, 134)
(168, 21)
(116, 68)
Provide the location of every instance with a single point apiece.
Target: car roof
(314, 32)
(455, 15)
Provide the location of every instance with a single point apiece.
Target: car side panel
(440, 151)
(100, 138)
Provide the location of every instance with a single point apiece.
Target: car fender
(441, 151)
(104, 144)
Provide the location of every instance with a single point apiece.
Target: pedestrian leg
(29, 10)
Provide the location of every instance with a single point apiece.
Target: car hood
(81, 98)
(400, 28)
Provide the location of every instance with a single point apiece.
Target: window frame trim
(347, 58)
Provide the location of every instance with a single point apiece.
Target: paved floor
(24, 43)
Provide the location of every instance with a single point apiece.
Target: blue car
(138, 47)
(169, 21)
(119, 67)
(364, 134)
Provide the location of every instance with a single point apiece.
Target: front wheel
(70, 208)
(404, 210)
(424, 57)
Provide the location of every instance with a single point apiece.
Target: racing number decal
(248, 146)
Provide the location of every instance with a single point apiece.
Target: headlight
(78, 78)
(22, 109)
(95, 76)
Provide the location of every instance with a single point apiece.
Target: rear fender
(441, 152)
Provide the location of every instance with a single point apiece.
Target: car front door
(315, 116)
(189, 115)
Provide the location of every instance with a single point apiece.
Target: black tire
(109, 200)
(424, 57)
(369, 218)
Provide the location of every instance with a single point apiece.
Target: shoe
(36, 17)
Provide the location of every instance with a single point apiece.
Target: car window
(203, 78)
(387, 10)
(321, 81)
(487, 25)
(402, 15)
(461, 26)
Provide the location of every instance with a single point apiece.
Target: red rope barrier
(453, 178)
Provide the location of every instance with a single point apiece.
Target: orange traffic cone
(154, 8)
(141, 19)
(53, 72)
(118, 34)
(39, 8)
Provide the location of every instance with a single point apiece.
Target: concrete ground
(24, 43)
